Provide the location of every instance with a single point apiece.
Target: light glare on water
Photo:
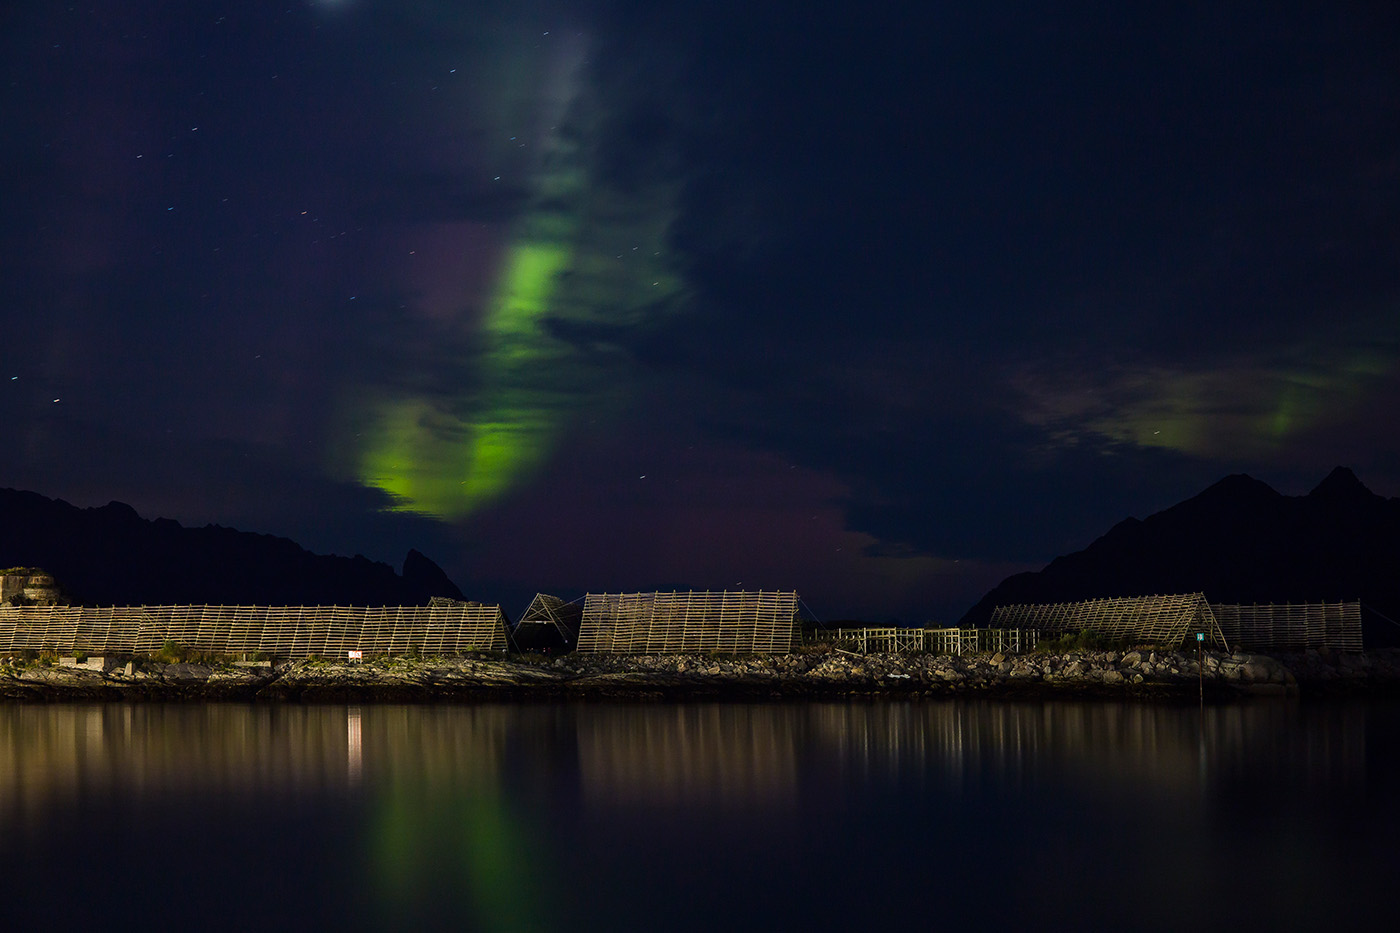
(694, 816)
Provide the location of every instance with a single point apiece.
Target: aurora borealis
(880, 305)
(449, 457)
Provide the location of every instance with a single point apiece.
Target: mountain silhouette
(1239, 541)
(111, 556)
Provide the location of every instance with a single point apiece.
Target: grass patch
(1078, 641)
(172, 652)
(537, 658)
(826, 647)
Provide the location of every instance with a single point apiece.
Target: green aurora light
(438, 463)
(1244, 408)
(583, 252)
(443, 820)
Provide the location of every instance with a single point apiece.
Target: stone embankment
(818, 673)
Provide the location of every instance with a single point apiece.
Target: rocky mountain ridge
(112, 556)
(1238, 541)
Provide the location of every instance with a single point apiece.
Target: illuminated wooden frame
(279, 632)
(1291, 626)
(1169, 621)
(551, 610)
(730, 622)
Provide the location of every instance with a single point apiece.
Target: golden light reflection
(354, 746)
(468, 811)
(410, 760)
(693, 756)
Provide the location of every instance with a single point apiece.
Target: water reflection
(354, 745)
(666, 755)
(1173, 749)
(691, 756)
(545, 817)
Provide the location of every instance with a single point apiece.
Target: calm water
(699, 817)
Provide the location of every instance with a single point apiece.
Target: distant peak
(120, 510)
(1341, 485)
(420, 571)
(1237, 485)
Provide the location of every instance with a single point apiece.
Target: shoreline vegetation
(815, 672)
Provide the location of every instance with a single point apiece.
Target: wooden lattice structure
(551, 610)
(939, 640)
(977, 640)
(752, 621)
(1291, 626)
(279, 632)
(1168, 621)
(878, 639)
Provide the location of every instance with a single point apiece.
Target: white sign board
(356, 655)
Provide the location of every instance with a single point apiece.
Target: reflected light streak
(354, 746)
(692, 756)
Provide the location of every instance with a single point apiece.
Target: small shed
(549, 625)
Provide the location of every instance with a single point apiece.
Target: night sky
(879, 304)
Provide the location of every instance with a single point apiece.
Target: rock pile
(29, 586)
(822, 672)
(834, 672)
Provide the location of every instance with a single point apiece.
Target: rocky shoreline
(818, 672)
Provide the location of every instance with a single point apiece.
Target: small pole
(1200, 664)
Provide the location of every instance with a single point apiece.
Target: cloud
(1248, 407)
